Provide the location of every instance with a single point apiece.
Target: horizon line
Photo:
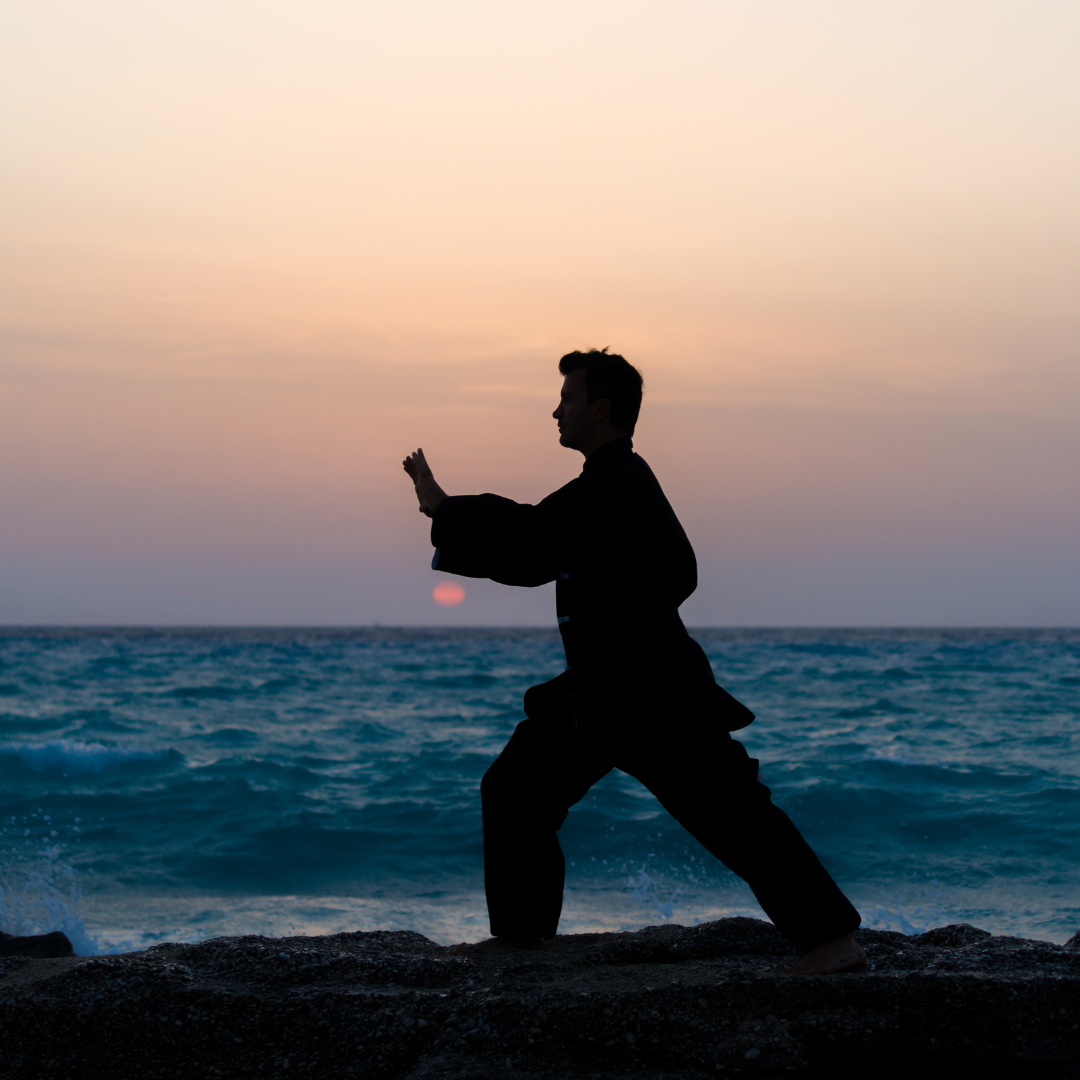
(518, 627)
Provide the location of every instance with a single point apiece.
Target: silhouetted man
(638, 693)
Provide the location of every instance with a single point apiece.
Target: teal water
(179, 784)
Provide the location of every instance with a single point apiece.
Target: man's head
(601, 399)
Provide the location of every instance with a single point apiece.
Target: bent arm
(491, 537)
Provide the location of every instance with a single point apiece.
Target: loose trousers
(701, 775)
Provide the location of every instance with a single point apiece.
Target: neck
(601, 439)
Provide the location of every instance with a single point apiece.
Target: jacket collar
(609, 453)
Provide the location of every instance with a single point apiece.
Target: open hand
(428, 493)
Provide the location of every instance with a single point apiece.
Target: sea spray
(39, 893)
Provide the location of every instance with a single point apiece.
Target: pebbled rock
(672, 944)
(36, 945)
(658, 1004)
(953, 937)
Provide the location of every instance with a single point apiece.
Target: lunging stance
(638, 693)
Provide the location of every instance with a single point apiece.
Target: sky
(251, 254)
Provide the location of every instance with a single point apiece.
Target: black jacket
(621, 564)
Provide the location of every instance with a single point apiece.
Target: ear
(601, 409)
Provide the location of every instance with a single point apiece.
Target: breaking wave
(67, 756)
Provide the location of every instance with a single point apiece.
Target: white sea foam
(124, 923)
(895, 754)
(913, 921)
(69, 756)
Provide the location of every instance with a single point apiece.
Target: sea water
(182, 784)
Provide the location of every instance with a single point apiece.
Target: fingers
(422, 467)
(428, 491)
(416, 460)
(413, 464)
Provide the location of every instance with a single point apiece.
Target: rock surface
(40, 945)
(666, 1002)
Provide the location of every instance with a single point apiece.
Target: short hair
(608, 375)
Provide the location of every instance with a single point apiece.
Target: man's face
(575, 417)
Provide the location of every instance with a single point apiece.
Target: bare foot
(840, 954)
(492, 945)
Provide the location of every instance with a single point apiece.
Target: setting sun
(448, 594)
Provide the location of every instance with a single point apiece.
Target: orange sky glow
(253, 253)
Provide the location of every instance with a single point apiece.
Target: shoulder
(578, 490)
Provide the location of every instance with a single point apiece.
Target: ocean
(175, 784)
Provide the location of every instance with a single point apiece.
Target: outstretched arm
(484, 535)
(428, 493)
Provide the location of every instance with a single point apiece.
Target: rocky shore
(660, 1003)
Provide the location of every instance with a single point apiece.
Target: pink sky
(253, 253)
